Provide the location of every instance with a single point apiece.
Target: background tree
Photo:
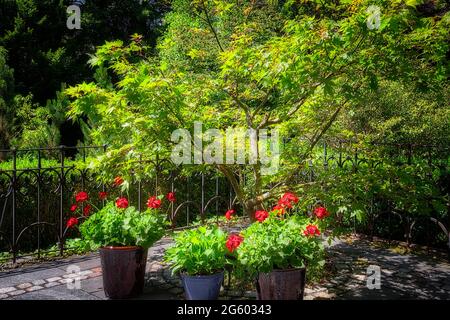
(395, 113)
(226, 64)
(6, 89)
(45, 54)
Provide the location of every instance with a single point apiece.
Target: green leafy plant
(200, 251)
(388, 197)
(72, 246)
(113, 226)
(281, 240)
(80, 246)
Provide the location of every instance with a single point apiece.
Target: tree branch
(267, 122)
(234, 183)
(209, 22)
(244, 107)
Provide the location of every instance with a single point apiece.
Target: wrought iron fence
(383, 219)
(35, 198)
(35, 194)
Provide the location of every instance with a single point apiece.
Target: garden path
(404, 275)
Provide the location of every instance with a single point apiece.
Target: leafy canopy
(255, 65)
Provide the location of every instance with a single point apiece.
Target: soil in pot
(286, 284)
(123, 271)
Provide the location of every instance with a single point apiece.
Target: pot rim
(121, 248)
(185, 275)
(285, 270)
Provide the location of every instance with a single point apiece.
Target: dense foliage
(315, 70)
(123, 226)
(282, 240)
(200, 251)
(44, 54)
(395, 113)
(6, 83)
(406, 189)
(257, 65)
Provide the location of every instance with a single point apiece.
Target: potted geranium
(278, 248)
(124, 236)
(200, 255)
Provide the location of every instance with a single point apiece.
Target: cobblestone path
(403, 276)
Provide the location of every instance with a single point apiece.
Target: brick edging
(31, 286)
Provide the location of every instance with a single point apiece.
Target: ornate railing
(398, 225)
(35, 200)
(35, 196)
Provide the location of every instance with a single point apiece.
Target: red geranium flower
(261, 215)
(73, 207)
(153, 202)
(81, 196)
(321, 212)
(122, 203)
(311, 231)
(285, 203)
(87, 209)
(117, 181)
(102, 195)
(287, 199)
(290, 197)
(72, 222)
(233, 242)
(279, 209)
(229, 213)
(171, 197)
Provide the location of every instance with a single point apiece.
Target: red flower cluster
(122, 203)
(279, 209)
(233, 242)
(261, 215)
(87, 209)
(287, 199)
(321, 212)
(81, 196)
(73, 208)
(171, 197)
(102, 195)
(229, 213)
(72, 222)
(311, 231)
(153, 202)
(117, 181)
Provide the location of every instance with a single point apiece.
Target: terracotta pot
(123, 271)
(202, 287)
(284, 284)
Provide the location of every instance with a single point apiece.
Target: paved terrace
(424, 275)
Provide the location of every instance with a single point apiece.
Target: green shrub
(112, 226)
(278, 243)
(200, 251)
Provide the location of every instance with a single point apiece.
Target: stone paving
(403, 276)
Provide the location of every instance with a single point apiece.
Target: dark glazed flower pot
(123, 271)
(286, 284)
(202, 287)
